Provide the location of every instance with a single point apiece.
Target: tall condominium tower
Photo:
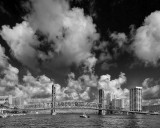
(136, 99)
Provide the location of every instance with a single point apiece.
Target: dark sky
(111, 17)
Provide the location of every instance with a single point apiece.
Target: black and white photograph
(79, 63)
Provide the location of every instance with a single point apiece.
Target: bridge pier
(53, 112)
(101, 110)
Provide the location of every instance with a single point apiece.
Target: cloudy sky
(80, 46)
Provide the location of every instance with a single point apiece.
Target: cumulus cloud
(80, 89)
(71, 32)
(104, 57)
(120, 38)
(151, 89)
(113, 86)
(120, 44)
(8, 75)
(90, 63)
(69, 36)
(9, 80)
(30, 87)
(39, 87)
(86, 86)
(146, 43)
(22, 41)
(101, 46)
(3, 58)
(107, 66)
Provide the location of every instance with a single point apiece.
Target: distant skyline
(81, 46)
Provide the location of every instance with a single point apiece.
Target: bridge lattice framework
(47, 105)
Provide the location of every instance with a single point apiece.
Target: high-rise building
(126, 104)
(18, 102)
(118, 103)
(136, 99)
(110, 101)
(108, 98)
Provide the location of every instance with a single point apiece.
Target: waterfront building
(151, 108)
(18, 102)
(151, 102)
(126, 104)
(109, 98)
(136, 99)
(118, 103)
(151, 105)
(6, 99)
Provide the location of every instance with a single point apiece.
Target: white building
(6, 99)
(17, 101)
(136, 99)
(118, 103)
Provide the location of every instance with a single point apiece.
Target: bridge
(54, 105)
(69, 106)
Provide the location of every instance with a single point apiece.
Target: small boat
(84, 116)
(154, 113)
(54, 113)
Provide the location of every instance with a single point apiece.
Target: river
(74, 121)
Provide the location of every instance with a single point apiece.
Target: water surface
(74, 121)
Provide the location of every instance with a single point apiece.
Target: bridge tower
(101, 102)
(53, 103)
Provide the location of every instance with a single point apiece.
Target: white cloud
(71, 32)
(120, 38)
(90, 63)
(113, 86)
(151, 89)
(107, 66)
(3, 57)
(9, 80)
(21, 40)
(37, 87)
(146, 44)
(68, 32)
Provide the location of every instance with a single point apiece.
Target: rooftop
(137, 87)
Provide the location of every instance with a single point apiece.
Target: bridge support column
(101, 110)
(53, 103)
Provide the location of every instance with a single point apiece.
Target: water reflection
(133, 122)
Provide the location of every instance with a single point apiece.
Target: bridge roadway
(84, 108)
(125, 111)
(38, 109)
